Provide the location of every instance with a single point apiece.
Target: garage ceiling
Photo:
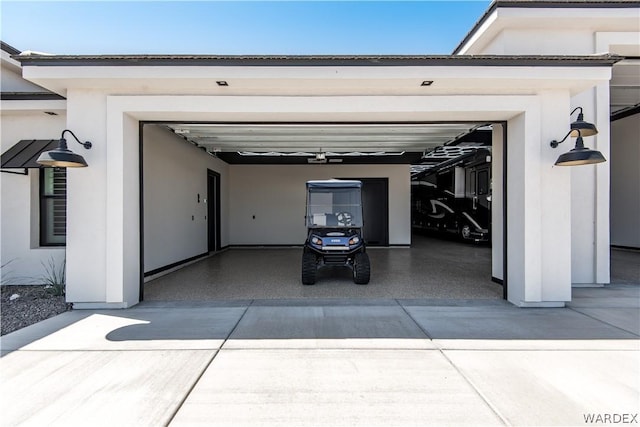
(274, 143)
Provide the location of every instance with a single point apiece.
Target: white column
(602, 143)
(102, 207)
(497, 203)
(86, 202)
(123, 220)
(539, 206)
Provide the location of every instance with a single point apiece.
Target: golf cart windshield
(334, 204)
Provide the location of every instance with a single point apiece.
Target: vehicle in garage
(455, 197)
(334, 222)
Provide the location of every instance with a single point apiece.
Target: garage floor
(432, 268)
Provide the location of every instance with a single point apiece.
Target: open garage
(239, 188)
(182, 143)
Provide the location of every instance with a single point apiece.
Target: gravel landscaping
(22, 306)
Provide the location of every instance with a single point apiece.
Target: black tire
(361, 268)
(465, 232)
(309, 268)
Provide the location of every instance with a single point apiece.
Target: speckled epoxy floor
(431, 268)
(625, 266)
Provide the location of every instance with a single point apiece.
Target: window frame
(45, 214)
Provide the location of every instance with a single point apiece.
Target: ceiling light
(323, 155)
(274, 154)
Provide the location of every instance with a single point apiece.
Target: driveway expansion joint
(206, 367)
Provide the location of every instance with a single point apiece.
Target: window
(53, 207)
(445, 180)
(471, 184)
(483, 182)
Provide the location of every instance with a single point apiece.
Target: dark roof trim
(9, 49)
(24, 154)
(328, 60)
(30, 96)
(545, 4)
(621, 114)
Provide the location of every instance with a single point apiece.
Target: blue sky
(239, 27)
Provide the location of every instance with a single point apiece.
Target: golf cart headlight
(316, 241)
(354, 240)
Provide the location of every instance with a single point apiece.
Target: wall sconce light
(585, 128)
(62, 157)
(580, 155)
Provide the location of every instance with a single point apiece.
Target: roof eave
(319, 61)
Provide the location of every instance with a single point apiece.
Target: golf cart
(334, 230)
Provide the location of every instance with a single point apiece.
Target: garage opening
(223, 209)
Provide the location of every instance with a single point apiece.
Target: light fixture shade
(580, 156)
(585, 128)
(61, 157)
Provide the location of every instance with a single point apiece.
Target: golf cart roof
(334, 183)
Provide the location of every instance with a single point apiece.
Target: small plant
(54, 277)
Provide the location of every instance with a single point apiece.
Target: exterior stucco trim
(544, 4)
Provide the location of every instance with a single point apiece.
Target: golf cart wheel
(361, 268)
(309, 268)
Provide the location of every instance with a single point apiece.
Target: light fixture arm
(63, 142)
(579, 114)
(555, 143)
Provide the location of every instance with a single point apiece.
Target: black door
(213, 210)
(375, 203)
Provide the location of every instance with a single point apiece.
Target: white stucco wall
(175, 173)
(275, 195)
(625, 182)
(22, 257)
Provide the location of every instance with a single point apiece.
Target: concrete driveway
(369, 362)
